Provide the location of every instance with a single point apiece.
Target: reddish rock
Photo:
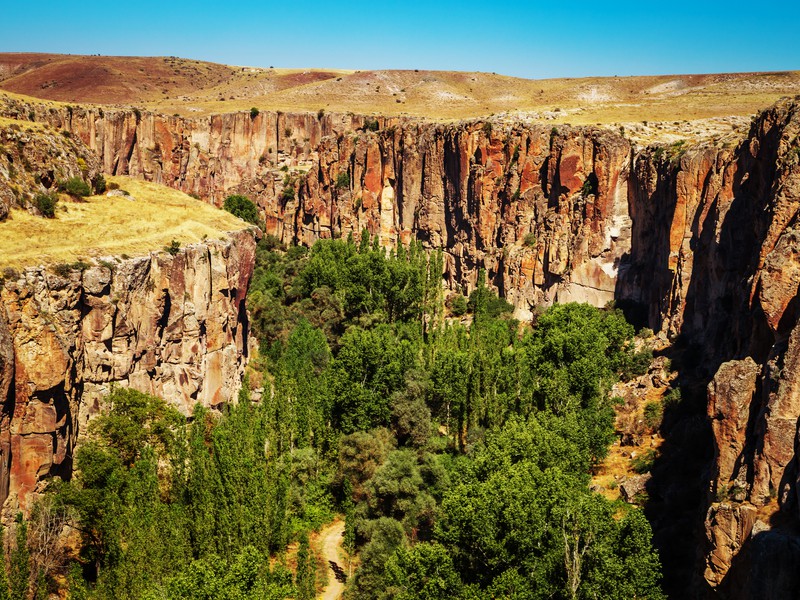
(166, 325)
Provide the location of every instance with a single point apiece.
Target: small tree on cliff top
(242, 207)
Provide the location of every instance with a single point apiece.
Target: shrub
(62, 270)
(672, 398)
(530, 240)
(75, 186)
(173, 248)
(99, 184)
(653, 413)
(46, 204)
(253, 112)
(459, 306)
(320, 113)
(589, 187)
(342, 180)
(112, 185)
(288, 193)
(487, 128)
(242, 207)
(644, 462)
(638, 364)
(371, 124)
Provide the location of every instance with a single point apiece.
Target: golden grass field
(105, 225)
(188, 87)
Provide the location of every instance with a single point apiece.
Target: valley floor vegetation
(459, 451)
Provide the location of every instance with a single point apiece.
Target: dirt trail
(330, 543)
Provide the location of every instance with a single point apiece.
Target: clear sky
(529, 39)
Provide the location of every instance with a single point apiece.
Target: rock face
(174, 326)
(714, 262)
(542, 210)
(699, 243)
(33, 159)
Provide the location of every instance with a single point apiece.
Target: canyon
(698, 242)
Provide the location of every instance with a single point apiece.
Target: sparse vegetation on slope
(148, 219)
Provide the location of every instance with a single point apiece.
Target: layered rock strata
(174, 326)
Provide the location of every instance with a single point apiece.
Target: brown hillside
(175, 85)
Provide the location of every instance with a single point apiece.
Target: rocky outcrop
(699, 243)
(714, 264)
(543, 210)
(33, 159)
(174, 326)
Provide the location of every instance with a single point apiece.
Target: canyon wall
(699, 243)
(543, 210)
(715, 264)
(174, 326)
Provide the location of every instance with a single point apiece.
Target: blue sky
(527, 39)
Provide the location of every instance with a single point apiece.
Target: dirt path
(330, 543)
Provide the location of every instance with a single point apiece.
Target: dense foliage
(459, 451)
(242, 207)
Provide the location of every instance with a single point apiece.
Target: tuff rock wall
(174, 326)
(699, 243)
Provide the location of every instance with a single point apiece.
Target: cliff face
(543, 210)
(714, 263)
(699, 243)
(174, 326)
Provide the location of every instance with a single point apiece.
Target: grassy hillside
(149, 219)
(175, 85)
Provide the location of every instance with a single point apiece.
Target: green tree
(305, 578)
(423, 572)
(242, 207)
(20, 563)
(5, 586)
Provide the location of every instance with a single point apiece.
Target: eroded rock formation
(700, 243)
(174, 326)
(33, 159)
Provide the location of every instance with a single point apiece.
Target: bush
(589, 187)
(459, 306)
(46, 204)
(99, 184)
(342, 180)
(288, 193)
(530, 240)
(653, 413)
(75, 186)
(242, 207)
(112, 185)
(644, 462)
(173, 248)
(253, 112)
(487, 128)
(672, 398)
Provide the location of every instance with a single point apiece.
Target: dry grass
(188, 87)
(106, 225)
(5, 122)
